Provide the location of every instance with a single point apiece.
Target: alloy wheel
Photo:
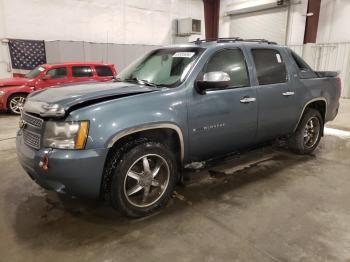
(311, 132)
(16, 104)
(147, 180)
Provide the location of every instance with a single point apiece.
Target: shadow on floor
(61, 222)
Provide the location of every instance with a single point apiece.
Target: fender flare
(136, 129)
(306, 104)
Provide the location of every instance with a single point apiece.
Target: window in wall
(81, 71)
(232, 62)
(57, 72)
(103, 71)
(270, 67)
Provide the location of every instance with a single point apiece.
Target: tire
(143, 179)
(307, 136)
(15, 103)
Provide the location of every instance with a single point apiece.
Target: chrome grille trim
(32, 120)
(31, 139)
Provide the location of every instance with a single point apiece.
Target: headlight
(2, 93)
(66, 135)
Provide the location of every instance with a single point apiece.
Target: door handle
(288, 93)
(246, 100)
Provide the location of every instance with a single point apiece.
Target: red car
(13, 91)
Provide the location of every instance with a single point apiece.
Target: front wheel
(144, 179)
(15, 103)
(308, 134)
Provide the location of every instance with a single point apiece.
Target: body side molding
(150, 127)
(306, 104)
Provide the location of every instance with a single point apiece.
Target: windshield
(35, 72)
(165, 67)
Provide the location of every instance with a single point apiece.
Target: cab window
(57, 73)
(103, 71)
(270, 67)
(81, 71)
(232, 62)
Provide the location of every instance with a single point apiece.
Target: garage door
(269, 24)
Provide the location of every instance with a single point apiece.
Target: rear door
(276, 104)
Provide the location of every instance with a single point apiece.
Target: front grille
(32, 120)
(31, 139)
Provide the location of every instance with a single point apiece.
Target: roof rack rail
(198, 41)
(232, 39)
(260, 40)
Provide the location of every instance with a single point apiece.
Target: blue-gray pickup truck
(129, 139)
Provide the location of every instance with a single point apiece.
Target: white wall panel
(297, 49)
(118, 54)
(329, 57)
(334, 21)
(268, 24)
(71, 51)
(294, 28)
(124, 22)
(94, 52)
(53, 52)
(335, 57)
(102, 21)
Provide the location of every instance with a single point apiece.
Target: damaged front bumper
(75, 172)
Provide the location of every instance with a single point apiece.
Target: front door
(221, 121)
(53, 77)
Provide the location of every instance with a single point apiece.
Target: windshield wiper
(136, 80)
(146, 82)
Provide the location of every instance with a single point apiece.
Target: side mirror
(46, 77)
(213, 80)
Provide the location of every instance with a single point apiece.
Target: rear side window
(103, 71)
(270, 66)
(81, 71)
(232, 62)
(57, 72)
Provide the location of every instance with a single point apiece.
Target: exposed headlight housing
(52, 110)
(66, 135)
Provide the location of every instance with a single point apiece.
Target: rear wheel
(15, 103)
(308, 134)
(143, 179)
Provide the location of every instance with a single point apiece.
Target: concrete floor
(269, 205)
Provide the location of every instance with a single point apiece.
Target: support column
(211, 17)
(312, 21)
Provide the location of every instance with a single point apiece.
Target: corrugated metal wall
(331, 57)
(118, 54)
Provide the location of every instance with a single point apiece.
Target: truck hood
(56, 102)
(15, 81)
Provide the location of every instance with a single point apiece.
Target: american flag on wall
(27, 54)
